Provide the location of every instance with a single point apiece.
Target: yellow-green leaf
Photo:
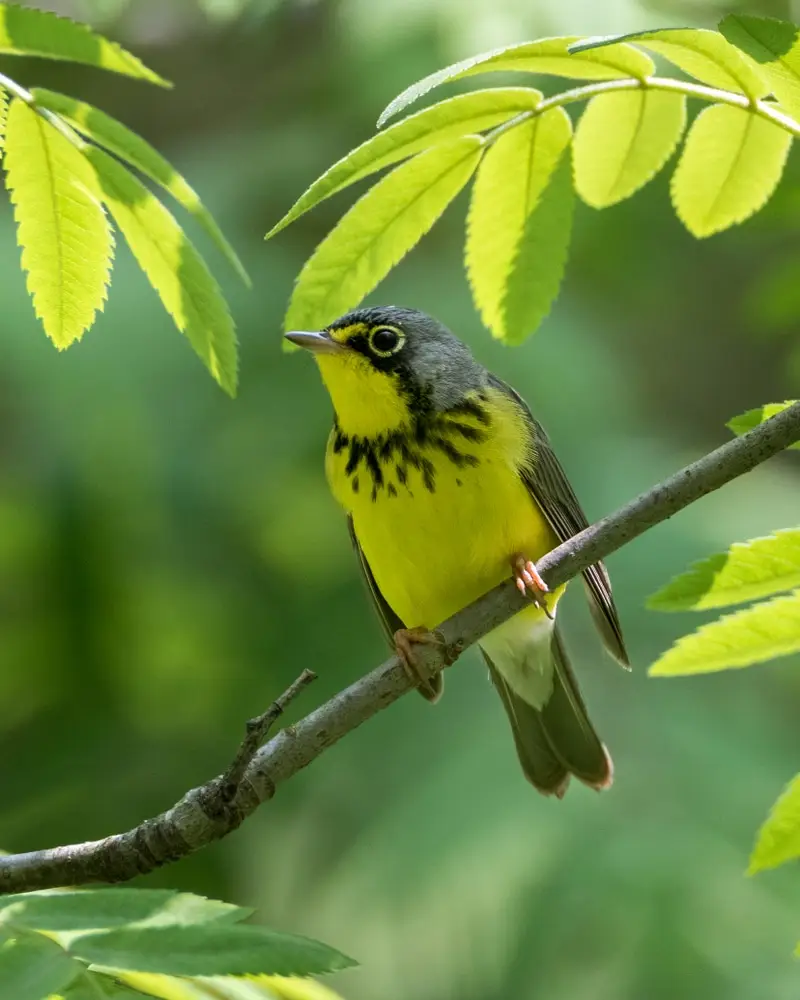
(3, 118)
(25, 31)
(227, 987)
(378, 231)
(778, 839)
(752, 418)
(174, 268)
(508, 188)
(758, 633)
(550, 56)
(748, 571)
(623, 139)
(467, 113)
(113, 135)
(66, 240)
(775, 46)
(700, 53)
(731, 164)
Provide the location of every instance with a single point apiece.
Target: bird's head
(384, 367)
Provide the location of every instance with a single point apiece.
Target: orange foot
(429, 685)
(529, 583)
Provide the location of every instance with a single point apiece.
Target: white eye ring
(388, 351)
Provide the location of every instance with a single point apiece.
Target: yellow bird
(450, 485)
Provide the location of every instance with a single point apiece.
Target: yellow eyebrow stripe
(343, 333)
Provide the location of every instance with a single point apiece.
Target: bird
(449, 486)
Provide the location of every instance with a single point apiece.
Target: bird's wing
(389, 620)
(550, 488)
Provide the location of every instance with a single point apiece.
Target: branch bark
(212, 811)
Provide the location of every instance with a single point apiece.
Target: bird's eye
(385, 341)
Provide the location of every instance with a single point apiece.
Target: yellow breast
(438, 518)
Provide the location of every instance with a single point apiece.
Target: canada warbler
(450, 485)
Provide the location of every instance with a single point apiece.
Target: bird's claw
(529, 582)
(421, 677)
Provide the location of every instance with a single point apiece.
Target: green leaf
(209, 950)
(119, 139)
(32, 967)
(467, 113)
(25, 31)
(759, 633)
(510, 183)
(538, 268)
(378, 231)
(748, 571)
(228, 987)
(550, 56)
(66, 240)
(700, 53)
(775, 45)
(731, 164)
(94, 909)
(174, 268)
(752, 418)
(778, 839)
(623, 139)
(3, 118)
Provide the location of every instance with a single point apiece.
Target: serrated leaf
(731, 164)
(514, 174)
(748, 571)
(550, 56)
(775, 46)
(752, 418)
(174, 268)
(700, 53)
(623, 139)
(66, 240)
(25, 31)
(3, 119)
(228, 987)
(119, 139)
(457, 116)
(32, 968)
(778, 839)
(758, 633)
(93, 986)
(378, 231)
(209, 950)
(95, 909)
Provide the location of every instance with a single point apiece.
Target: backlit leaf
(550, 56)
(119, 139)
(700, 53)
(26, 31)
(731, 164)
(509, 185)
(378, 231)
(66, 240)
(748, 571)
(32, 968)
(3, 118)
(467, 113)
(758, 633)
(95, 909)
(752, 418)
(209, 950)
(228, 987)
(173, 266)
(778, 839)
(623, 139)
(775, 46)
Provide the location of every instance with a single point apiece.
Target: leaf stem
(50, 117)
(764, 109)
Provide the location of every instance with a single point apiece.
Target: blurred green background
(170, 559)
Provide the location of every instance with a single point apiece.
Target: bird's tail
(556, 740)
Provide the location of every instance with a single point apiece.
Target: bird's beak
(317, 343)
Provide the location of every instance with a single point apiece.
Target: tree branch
(212, 811)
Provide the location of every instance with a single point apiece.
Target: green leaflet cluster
(748, 571)
(529, 163)
(118, 943)
(66, 190)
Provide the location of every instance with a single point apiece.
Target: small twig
(255, 733)
(190, 824)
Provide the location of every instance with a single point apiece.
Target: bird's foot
(428, 683)
(529, 582)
